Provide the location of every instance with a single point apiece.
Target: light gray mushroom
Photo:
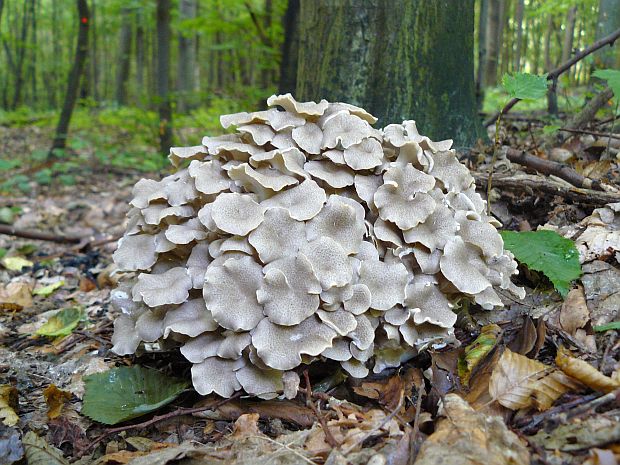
(180, 154)
(170, 287)
(277, 236)
(342, 220)
(336, 176)
(329, 262)
(302, 202)
(306, 109)
(386, 283)
(190, 318)
(365, 155)
(264, 384)
(209, 178)
(236, 213)
(308, 138)
(135, 252)
(216, 375)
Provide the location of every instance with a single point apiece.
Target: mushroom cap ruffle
(306, 235)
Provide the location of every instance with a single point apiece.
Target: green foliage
(548, 252)
(124, 393)
(612, 76)
(525, 86)
(614, 325)
(62, 323)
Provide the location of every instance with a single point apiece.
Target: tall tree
(163, 75)
(608, 22)
(124, 55)
(290, 49)
(519, 26)
(187, 57)
(492, 42)
(569, 33)
(73, 84)
(483, 14)
(420, 64)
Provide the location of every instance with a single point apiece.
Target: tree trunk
(482, 34)
(608, 22)
(548, 64)
(569, 32)
(492, 43)
(163, 75)
(20, 57)
(519, 40)
(93, 58)
(420, 65)
(187, 57)
(140, 54)
(124, 56)
(290, 49)
(73, 84)
(32, 68)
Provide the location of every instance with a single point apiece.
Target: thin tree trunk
(427, 74)
(93, 58)
(519, 40)
(20, 57)
(608, 22)
(187, 57)
(32, 68)
(492, 43)
(569, 32)
(163, 75)
(536, 39)
(140, 54)
(124, 56)
(482, 50)
(548, 64)
(73, 84)
(290, 49)
(506, 41)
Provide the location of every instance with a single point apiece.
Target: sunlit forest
(340, 232)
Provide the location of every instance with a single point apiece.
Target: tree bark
(73, 84)
(608, 22)
(548, 64)
(492, 43)
(419, 66)
(290, 49)
(163, 75)
(140, 53)
(482, 50)
(569, 32)
(187, 57)
(124, 56)
(20, 57)
(519, 39)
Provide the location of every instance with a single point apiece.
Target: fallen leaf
(8, 404)
(467, 437)
(62, 323)
(574, 313)
(87, 284)
(477, 351)
(584, 372)
(11, 449)
(16, 263)
(55, 400)
(64, 431)
(526, 338)
(45, 291)
(519, 382)
(39, 452)
(582, 434)
(246, 425)
(16, 294)
(124, 393)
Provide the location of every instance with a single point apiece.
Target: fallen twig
(549, 167)
(329, 437)
(41, 236)
(592, 133)
(524, 182)
(553, 74)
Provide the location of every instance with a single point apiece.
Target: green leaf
(39, 452)
(608, 327)
(62, 323)
(16, 263)
(45, 291)
(550, 128)
(525, 86)
(476, 351)
(612, 76)
(6, 215)
(124, 393)
(548, 252)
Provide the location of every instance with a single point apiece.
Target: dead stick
(41, 236)
(549, 167)
(592, 133)
(329, 437)
(609, 40)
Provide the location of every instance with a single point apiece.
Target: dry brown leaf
(574, 313)
(519, 382)
(584, 372)
(15, 296)
(467, 437)
(55, 400)
(282, 409)
(246, 425)
(8, 404)
(526, 338)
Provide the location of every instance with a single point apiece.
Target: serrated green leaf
(614, 325)
(62, 323)
(49, 289)
(525, 86)
(612, 76)
(124, 393)
(548, 252)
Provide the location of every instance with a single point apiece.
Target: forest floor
(398, 417)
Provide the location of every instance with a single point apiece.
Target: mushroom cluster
(305, 235)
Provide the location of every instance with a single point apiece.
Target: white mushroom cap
(345, 130)
(261, 134)
(436, 230)
(209, 177)
(341, 321)
(284, 140)
(365, 155)
(184, 233)
(149, 325)
(263, 181)
(354, 110)
(335, 156)
(171, 287)
(387, 232)
(179, 188)
(302, 202)
(204, 346)
(236, 213)
(277, 236)
(338, 351)
(355, 368)
(125, 339)
(190, 318)
(179, 154)
(462, 266)
(145, 191)
(454, 175)
(386, 283)
(359, 301)
(397, 315)
(216, 375)
(155, 214)
(364, 334)
(429, 305)
(233, 345)
(402, 199)
(336, 176)
(289, 291)
(288, 161)
(306, 109)
(329, 262)
(264, 384)
(308, 137)
(366, 186)
(427, 261)
(342, 220)
(281, 347)
(135, 252)
(204, 215)
(482, 235)
(488, 299)
(230, 293)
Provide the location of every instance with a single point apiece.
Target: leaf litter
(540, 383)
